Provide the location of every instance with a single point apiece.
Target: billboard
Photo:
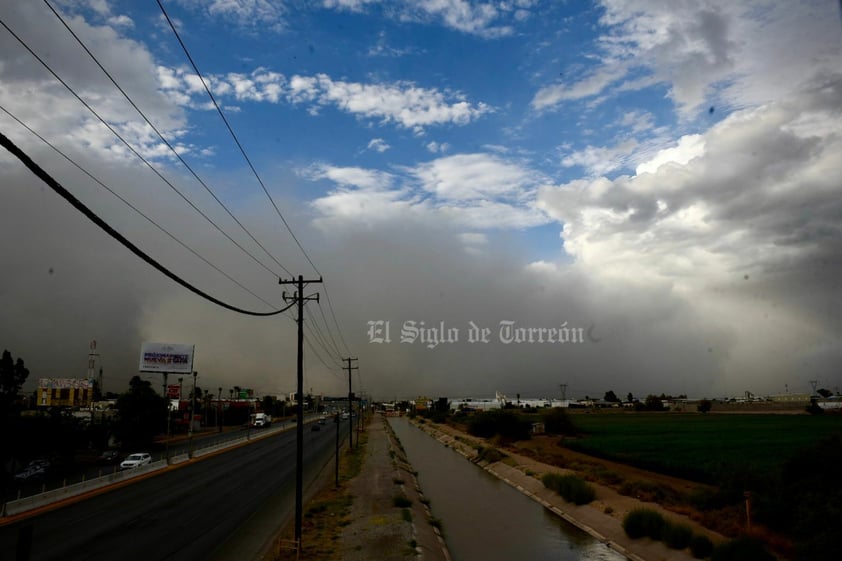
(165, 357)
(65, 383)
(174, 391)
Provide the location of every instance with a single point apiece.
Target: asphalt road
(56, 478)
(207, 509)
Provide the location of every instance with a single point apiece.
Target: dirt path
(389, 520)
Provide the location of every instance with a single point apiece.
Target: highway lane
(188, 512)
(74, 474)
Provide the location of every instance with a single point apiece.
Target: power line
(248, 161)
(164, 140)
(331, 369)
(234, 136)
(132, 149)
(333, 314)
(130, 205)
(321, 344)
(330, 331)
(78, 205)
(324, 340)
(318, 337)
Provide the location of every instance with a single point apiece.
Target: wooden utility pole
(349, 368)
(299, 298)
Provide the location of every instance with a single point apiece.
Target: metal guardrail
(34, 501)
(41, 499)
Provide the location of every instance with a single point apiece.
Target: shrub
(676, 536)
(490, 455)
(741, 549)
(701, 547)
(401, 502)
(504, 423)
(557, 421)
(644, 522)
(571, 488)
(600, 473)
(705, 499)
(648, 491)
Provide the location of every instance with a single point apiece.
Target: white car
(136, 460)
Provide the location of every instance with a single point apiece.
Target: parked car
(136, 460)
(35, 470)
(108, 457)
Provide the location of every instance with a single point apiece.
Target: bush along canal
(482, 517)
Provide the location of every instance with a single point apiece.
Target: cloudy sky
(657, 184)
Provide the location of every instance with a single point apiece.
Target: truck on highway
(259, 420)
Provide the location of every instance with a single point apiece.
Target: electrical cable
(329, 331)
(131, 206)
(331, 369)
(164, 140)
(78, 205)
(132, 149)
(248, 161)
(234, 136)
(333, 350)
(323, 345)
(333, 314)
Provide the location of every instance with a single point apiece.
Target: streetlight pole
(192, 410)
(336, 422)
(219, 408)
(167, 438)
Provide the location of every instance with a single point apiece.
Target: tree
(653, 403)
(824, 392)
(630, 398)
(13, 374)
(704, 406)
(268, 405)
(196, 399)
(141, 414)
(557, 421)
(611, 397)
(814, 408)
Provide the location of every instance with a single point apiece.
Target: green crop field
(701, 447)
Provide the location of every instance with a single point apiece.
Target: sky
(625, 195)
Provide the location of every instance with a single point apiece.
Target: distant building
(65, 392)
(422, 403)
(790, 398)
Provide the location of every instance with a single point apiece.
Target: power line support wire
(78, 205)
(299, 299)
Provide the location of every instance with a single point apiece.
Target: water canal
(484, 518)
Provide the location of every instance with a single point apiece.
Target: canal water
(484, 518)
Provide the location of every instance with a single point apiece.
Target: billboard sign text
(165, 357)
